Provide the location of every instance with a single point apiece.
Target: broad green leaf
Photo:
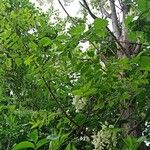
(142, 139)
(45, 41)
(100, 27)
(144, 5)
(68, 147)
(90, 53)
(33, 46)
(100, 23)
(34, 135)
(78, 30)
(130, 143)
(144, 62)
(41, 142)
(23, 145)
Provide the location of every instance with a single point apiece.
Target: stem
(58, 103)
(65, 10)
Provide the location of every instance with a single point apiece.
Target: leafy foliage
(43, 70)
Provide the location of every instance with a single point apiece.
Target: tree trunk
(121, 35)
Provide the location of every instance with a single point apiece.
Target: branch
(104, 12)
(52, 94)
(58, 103)
(82, 5)
(88, 9)
(137, 49)
(65, 10)
(64, 112)
(120, 3)
(112, 34)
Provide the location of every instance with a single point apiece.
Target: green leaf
(45, 41)
(144, 5)
(28, 60)
(100, 23)
(142, 139)
(34, 136)
(80, 118)
(22, 145)
(79, 29)
(100, 27)
(144, 63)
(99, 105)
(90, 53)
(84, 91)
(35, 124)
(33, 46)
(41, 142)
(18, 61)
(52, 137)
(68, 147)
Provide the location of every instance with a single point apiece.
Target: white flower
(79, 103)
(105, 138)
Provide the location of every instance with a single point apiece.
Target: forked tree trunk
(121, 34)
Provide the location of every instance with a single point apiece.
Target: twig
(65, 10)
(58, 103)
(89, 10)
(82, 5)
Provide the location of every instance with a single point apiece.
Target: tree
(63, 98)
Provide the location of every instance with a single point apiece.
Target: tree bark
(121, 34)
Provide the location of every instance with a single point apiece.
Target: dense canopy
(56, 96)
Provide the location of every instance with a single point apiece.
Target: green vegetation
(53, 96)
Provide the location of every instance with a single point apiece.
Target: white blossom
(105, 138)
(79, 103)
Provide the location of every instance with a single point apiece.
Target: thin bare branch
(120, 3)
(82, 5)
(65, 10)
(88, 9)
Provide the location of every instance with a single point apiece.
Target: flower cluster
(105, 138)
(79, 103)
